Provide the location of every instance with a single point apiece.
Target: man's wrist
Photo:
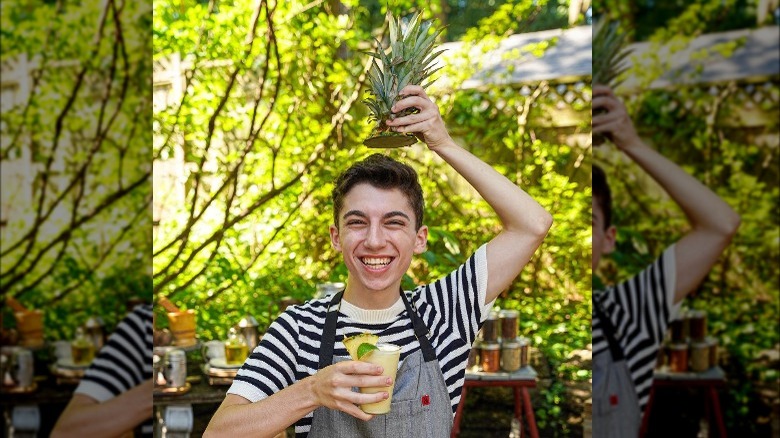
(447, 144)
(310, 392)
(632, 146)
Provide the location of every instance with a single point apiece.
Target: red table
(710, 381)
(519, 381)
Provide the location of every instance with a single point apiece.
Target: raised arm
(524, 221)
(85, 416)
(713, 222)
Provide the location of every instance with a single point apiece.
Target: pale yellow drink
(387, 357)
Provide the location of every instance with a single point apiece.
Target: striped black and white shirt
(124, 362)
(640, 309)
(452, 308)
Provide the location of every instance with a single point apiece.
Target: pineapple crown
(609, 52)
(407, 63)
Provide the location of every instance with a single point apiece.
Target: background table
(200, 393)
(519, 381)
(49, 397)
(202, 398)
(710, 381)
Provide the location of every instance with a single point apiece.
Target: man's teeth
(375, 261)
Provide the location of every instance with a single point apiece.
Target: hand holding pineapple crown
(399, 105)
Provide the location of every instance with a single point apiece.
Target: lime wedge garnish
(365, 348)
(353, 342)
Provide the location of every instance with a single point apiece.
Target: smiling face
(377, 236)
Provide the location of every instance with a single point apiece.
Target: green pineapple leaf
(609, 53)
(407, 60)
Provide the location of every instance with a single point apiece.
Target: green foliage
(553, 292)
(695, 127)
(665, 20)
(277, 151)
(74, 138)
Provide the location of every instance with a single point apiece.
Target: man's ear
(610, 239)
(421, 240)
(334, 238)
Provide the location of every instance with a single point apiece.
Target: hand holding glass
(386, 356)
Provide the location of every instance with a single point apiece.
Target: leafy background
(75, 153)
(695, 127)
(263, 237)
(268, 122)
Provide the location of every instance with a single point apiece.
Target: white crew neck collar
(380, 316)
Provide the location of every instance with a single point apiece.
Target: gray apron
(615, 404)
(421, 404)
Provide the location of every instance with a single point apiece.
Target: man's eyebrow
(354, 213)
(397, 213)
(386, 215)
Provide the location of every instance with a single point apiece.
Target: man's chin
(388, 285)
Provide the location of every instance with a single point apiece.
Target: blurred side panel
(702, 87)
(75, 198)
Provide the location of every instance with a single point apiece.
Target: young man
(299, 375)
(115, 395)
(630, 319)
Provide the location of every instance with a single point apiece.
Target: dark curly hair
(602, 194)
(381, 172)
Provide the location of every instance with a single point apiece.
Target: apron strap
(420, 330)
(329, 332)
(609, 332)
(328, 340)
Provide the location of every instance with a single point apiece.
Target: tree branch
(40, 217)
(66, 234)
(142, 212)
(217, 235)
(188, 76)
(257, 255)
(249, 42)
(183, 236)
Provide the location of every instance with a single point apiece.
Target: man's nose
(375, 237)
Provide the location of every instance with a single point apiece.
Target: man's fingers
(357, 413)
(351, 403)
(408, 120)
(610, 103)
(358, 367)
(371, 382)
(358, 398)
(413, 96)
(412, 101)
(371, 398)
(361, 381)
(605, 127)
(602, 90)
(600, 119)
(412, 90)
(417, 127)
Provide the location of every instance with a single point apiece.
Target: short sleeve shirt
(453, 308)
(640, 309)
